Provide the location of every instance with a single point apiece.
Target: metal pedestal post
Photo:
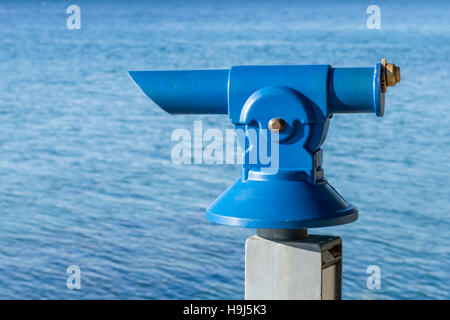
(292, 265)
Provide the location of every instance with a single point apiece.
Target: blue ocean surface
(86, 176)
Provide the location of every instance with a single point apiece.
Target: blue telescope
(293, 104)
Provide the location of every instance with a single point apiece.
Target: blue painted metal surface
(293, 193)
(187, 91)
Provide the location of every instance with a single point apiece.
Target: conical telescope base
(281, 204)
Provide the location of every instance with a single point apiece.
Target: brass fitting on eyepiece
(390, 75)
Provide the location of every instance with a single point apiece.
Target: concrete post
(291, 265)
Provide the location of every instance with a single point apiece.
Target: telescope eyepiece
(390, 75)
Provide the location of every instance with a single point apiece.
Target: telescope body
(349, 90)
(294, 104)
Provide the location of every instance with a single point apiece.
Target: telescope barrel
(355, 90)
(186, 91)
(349, 90)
